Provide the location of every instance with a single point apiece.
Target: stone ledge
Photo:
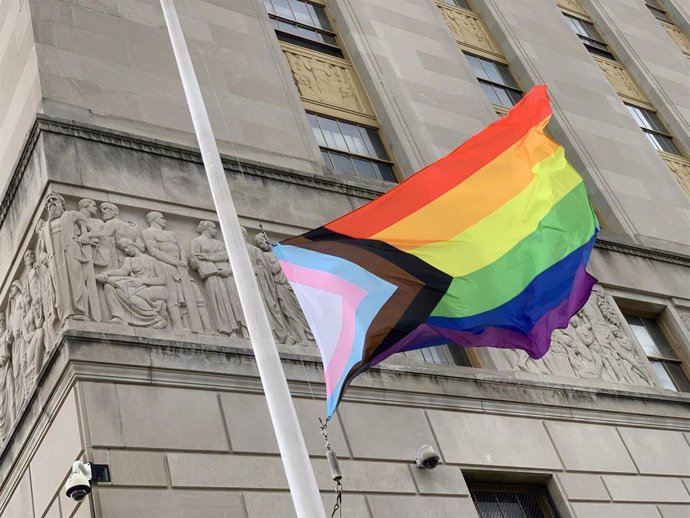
(459, 388)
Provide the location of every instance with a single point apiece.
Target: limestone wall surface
(186, 433)
(20, 90)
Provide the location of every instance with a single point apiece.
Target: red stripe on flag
(447, 172)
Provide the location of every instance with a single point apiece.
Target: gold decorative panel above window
(680, 167)
(678, 37)
(469, 30)
(572, 5)
(327, 83)
(621, 81)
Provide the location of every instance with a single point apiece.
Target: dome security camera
(427, 458)
(78, 484)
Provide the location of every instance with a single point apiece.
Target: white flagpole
(300, 475)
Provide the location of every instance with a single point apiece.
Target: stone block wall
(186, 433)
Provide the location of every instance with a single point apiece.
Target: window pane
(676, 372)
(514, 96)
(459, 3)
(509, 505)
(342, 163)
(506, 77)
(269, 6)
(492, 71)
(331, 131)
(327, 159)
(668, 145)
(663, 375)
(386, 172)
(634, 111)
(320, 19)
(314, 123)
(504, 98)
(373, 143)
(489, 92)
(282, 8)
(643, 336)
(287, 27)
(301, 12)
(353, 139)
(477, 66)
(487, 506)
(659, 338)
(512, 501)
(654, 142)
(365, 168)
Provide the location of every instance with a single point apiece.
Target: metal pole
(300, 475)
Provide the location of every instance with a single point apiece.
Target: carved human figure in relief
(62, 244)
(210, 259)
(6, 379)
(15, 320)
(184, 297)
(33, 334)
(112, 230)
(268, 290)
(47, 286)
(136, 294)
(287, 301)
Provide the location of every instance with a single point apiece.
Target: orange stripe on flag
(436, 179)
(474, 199)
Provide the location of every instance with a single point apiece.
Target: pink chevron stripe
(352, 296)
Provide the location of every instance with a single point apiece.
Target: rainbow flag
(485, 247)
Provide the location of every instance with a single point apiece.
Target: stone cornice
(347, 186)
(432, 386)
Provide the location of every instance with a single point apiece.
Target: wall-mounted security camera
(78, 485)
(427, 458)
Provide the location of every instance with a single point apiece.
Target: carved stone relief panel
(680, 167)
(594, 346)
(94, 262)
(469, 29)
(572, 5)
(678, 37)
(621, 80)
(685, 317)
(327, 81)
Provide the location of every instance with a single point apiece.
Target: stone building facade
(121, 338)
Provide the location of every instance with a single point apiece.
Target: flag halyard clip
(336, 474)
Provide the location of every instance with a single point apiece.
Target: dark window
(512, 501)
(657, 10)
(589, 36)
(440, 355)
(351, 149)
(496, 81)
(667, 366)
(654, 129)
(459, 3)
(303, 23)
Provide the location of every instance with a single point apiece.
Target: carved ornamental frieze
(685, 317)
(680, 167)
(326, 81)
(678, 37)
(621, 80)
(572, 5)
(89, 263)
(468, 29)
(594, 346)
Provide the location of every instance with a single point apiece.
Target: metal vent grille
(512, 501)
